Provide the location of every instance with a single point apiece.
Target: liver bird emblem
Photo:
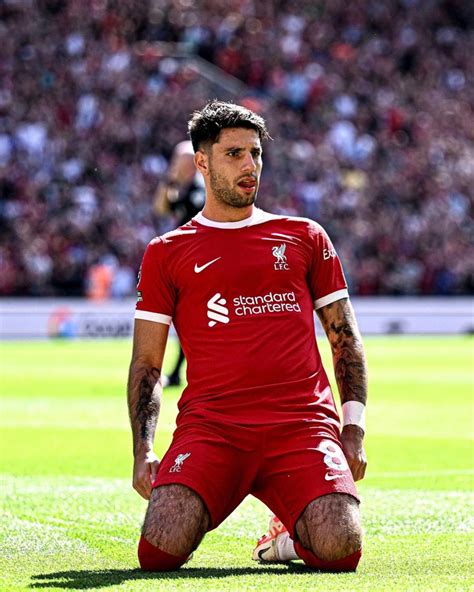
(178, 462)
(279, 253)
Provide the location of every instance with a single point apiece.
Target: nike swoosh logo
(262, 551)
(331, 477)
(199, 268)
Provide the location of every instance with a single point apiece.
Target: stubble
(226, 195)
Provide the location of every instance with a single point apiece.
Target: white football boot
(276, 546)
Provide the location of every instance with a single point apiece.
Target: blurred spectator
(100, 277)
(370, 103)
(182, 193)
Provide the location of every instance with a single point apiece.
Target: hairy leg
(330, 527)
(176, 520)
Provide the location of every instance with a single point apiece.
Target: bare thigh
(176, 520)
(330, 527)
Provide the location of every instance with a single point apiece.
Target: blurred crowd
(369, 103)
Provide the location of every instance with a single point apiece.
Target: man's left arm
(350, 369)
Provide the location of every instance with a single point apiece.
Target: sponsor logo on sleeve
(329, 253)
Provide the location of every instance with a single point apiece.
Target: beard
(228, 195)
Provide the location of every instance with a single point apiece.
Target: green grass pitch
(70, 519)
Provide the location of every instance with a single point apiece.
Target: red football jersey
(241, 296)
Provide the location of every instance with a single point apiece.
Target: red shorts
(285, 466)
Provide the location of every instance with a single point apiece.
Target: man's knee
(330, 533)
(175, 522)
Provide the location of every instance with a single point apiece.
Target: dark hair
(206, 125)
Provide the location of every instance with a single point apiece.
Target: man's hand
(352, 438)
(145, 469)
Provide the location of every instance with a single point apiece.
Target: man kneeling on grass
(258, 415)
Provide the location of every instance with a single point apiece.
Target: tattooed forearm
(350, 367)
(351, 376)
(148, 404)
(144, 403)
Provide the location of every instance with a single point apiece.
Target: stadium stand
(368, 102)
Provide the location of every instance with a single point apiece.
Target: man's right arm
(144, 399)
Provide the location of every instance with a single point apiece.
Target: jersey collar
(257, 216)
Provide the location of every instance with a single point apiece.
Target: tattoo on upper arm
(148, 403)
(348, 352)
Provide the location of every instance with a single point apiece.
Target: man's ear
(201, 160)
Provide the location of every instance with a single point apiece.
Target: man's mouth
(247, 184)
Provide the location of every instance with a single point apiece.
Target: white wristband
(353, 413)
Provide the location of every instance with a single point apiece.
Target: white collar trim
(256, 217)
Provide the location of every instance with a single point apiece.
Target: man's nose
(249, 163)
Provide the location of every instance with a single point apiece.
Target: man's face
(235, 165)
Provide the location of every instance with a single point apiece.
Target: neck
(225, 213)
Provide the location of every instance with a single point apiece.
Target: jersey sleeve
(155, 291)
(327, 281)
